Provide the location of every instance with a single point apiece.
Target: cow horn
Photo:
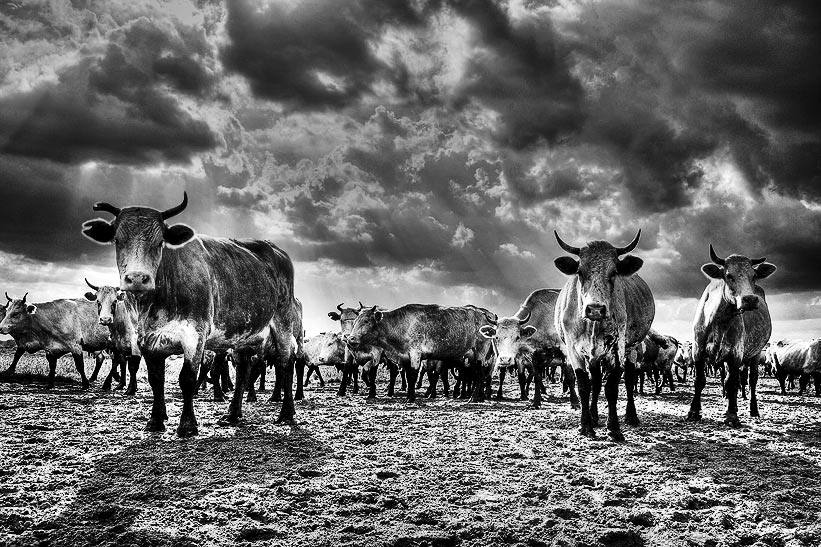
(714, 257)
(107, 207)
(339, 307)
(8, 297)
(361, 305)
(630, 246)
(569, 248)
(168, 213)
(24, 297)
(757, 261)
(525, 319)
(93, 288)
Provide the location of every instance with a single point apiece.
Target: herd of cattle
(215, 300)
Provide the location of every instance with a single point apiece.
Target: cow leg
(242, 361)
(642, 372)
(285, 362)
(253, 374)
(202, 377)
(311, 370)
(478, 383)
(803, 380)
(595, 390)
(155, 365)
(262, 371)
(133, 367)
(79, 364)
(743, 376)
(192, 357)
(537, 392)
(502, 373)
(611, 393)
(220, 363)
(457, 384)
(319, 375)
(816, 380)
(225, 375)
(753, 381)
(570, 382)
(782, 378)
(412, 371)
(669, 374)
(724, 380)
(419, 381)
(355, 376)
(583, 383)
(13, 366)
(121, 362)
(110, 376)
(372, 381)
(98, 364)
(445, 382)
(393, 372)
(346, 371)
(630, 416)
(701, 380)
(521, 375)
(433, 379)
(52, 369)
(731, 418)
(299, 368)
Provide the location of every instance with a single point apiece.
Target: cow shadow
(185, 482)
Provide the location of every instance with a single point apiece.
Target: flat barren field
(76, 468)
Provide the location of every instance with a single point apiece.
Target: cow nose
(505, 361)
(105, 321)
(321, 360)
(595, 312)
(137, 281)
(4, 330)
(749, 302)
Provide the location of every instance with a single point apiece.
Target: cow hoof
(732, 421)
(119, 387)
(275, 399)
(535, 406)
(285, 420)
(185, 431)
(299, 397)
(50, 385)
(230, 419)
(131, 393)
(155, 426)
(588, 431)
(693, 417)
(754, 414)
(85, 386)
(251, 398)
(219, 398)
(615, 435)
(594, 420)
(631, 420)
(476, 400)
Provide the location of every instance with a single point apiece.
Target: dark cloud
(115, 108)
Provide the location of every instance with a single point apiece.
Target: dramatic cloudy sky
(421, 150)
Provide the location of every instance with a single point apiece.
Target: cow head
(365, 327)
(330, 349)
(139, 235)
(106, 298)
(16, 315)
(345, 316)
(738, 274)
(597, 273)
(511, 335)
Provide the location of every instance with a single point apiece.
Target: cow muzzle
(595, 312)
(4, 330)
(353, 340)
(106, 321)
(137, 281)
(748, 303)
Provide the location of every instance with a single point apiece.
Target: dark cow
(657, 360)
(25, 341)
(530, 330)
(117, 317)
(798, 358)
(418, 331)
(298, 342)
(732, 325)
(603, 308)
(195, 292)
(59, 327)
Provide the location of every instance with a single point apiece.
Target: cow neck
(392, 335)
(174, 286)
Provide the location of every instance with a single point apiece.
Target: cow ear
(487, 331)
(91, 296)
(713, 271)
(177, 235)
(334, 316)
(765, 270)
(629, 265)
(528, 330)
(377, 315)
(567, 265)
(99, 231)
(31, 308)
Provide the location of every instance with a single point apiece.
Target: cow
(798, 358)
(346, 318)
(25, 342)
(59, 327)
(683, 361)
(731, 325)
(113, 374)
(195, 292)
(530, 330)
(425, 331)
(298, 342)
(326, 348)
(659, 353)
(603, 308)
(116, 316)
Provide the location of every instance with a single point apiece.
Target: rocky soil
(76, 468)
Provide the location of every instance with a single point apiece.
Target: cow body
(657, 362)
(58, 327)
(602, 310)
(195, 292)
(418, 331)
(802, 359)
(732, 325)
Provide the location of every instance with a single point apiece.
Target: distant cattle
(418, 331)
(24, 341)
(802, 359)
(115, 315)
(732, 325)
(683, 361)
(659, 352)
(346, 318)
(58, 327)
(324, 349)
(195, 292)
(530, 330)
(603, 308)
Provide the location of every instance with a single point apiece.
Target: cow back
(67, 323)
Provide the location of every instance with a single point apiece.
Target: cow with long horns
(195, 292)
(25, 341)
(603, 308)
(350, 366)
(116, 316)
(59, 327)
(732, 325)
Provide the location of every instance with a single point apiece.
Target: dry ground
(76, 468)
